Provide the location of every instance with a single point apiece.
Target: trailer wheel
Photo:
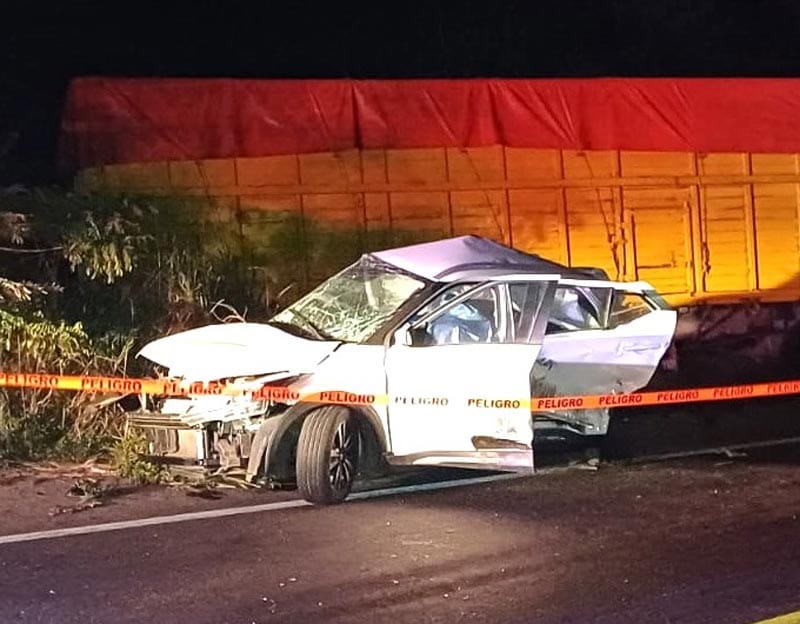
(327, 455)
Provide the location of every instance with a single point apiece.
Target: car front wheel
(327, 455)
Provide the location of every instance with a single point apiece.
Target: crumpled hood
(236, 350)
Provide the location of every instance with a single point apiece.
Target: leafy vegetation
(127, 457)
(85, 279)
(35, 423)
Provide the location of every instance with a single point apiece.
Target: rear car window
(573, 310)
(626, 307)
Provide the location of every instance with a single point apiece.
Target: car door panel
(599, 361)
(465, 404)
(452, 399)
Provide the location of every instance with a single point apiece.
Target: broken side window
(574, 308)
(626, 307)
(474, 320)
(442, 299)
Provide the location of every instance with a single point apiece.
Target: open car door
(601, 337)
(458, 375)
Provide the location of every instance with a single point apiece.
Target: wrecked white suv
(454, 335)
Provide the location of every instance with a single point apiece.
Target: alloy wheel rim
(343, 453)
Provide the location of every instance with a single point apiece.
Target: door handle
(637, 349)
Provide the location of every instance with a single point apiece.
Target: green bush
(44, 423)
(84, 279)
(127, 458)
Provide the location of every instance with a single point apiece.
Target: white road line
(236, 511)
(789, 618)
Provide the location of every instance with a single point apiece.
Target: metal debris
(203, 483)
(90, 492)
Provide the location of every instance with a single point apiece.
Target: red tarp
(137, 120)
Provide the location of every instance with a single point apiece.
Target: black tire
(327, 455)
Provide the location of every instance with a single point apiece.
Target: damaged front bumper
(210, 431)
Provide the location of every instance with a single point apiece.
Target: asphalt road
(706, 540)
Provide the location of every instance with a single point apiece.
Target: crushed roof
(440, 260)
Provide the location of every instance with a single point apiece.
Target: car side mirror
(418, 336)
(411, 336)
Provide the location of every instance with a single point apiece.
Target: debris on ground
(94, 483)
(90, 492)
(83, 506)
(88, 488)
(203, 490)
(206, 484)
(589, 459)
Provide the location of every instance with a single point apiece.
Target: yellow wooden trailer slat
(700, 227)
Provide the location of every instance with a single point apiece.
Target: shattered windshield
(352, 305)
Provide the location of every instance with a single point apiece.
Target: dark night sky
(44, 44)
